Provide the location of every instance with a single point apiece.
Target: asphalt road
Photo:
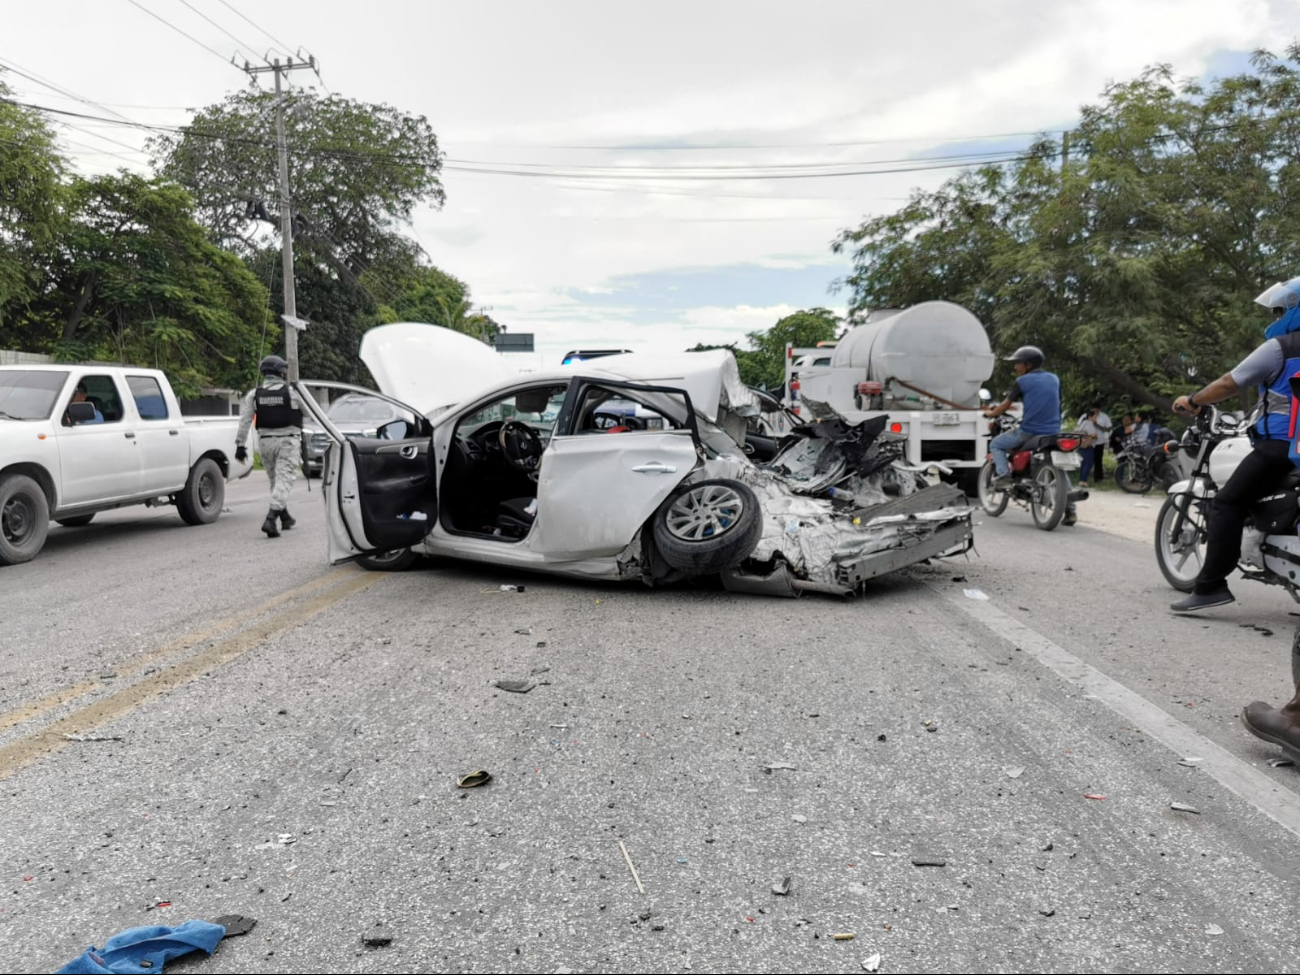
(283, 740)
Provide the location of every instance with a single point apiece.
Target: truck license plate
(947, 419)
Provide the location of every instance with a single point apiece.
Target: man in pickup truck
(79, 396)
(274, 408)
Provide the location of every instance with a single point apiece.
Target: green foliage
(1140, 256)
(135, 279)
(763, 363)
(31, 198)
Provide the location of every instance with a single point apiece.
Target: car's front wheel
(708, 527)
(395, 560)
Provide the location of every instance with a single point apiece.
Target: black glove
(241, 453)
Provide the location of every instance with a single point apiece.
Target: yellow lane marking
(49, 740)
(34, 709)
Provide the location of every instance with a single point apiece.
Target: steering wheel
(521, 445)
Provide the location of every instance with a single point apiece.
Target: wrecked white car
(529, 472)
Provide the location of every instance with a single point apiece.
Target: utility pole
(293, 324)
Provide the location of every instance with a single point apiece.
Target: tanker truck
(924, 366)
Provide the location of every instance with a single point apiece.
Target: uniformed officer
(274, 409)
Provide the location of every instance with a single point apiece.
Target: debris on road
(72, 737)
(515, 686)
(799, 819)
(1014, 771)
(930, 725)
(281, 841)
(236, 925)
(871, 963)
(1263, 630)
(1183, 807)
(1093, 795)
(1280, 763)
(539, 670)
(526, 631)
(769, 769)
(928, 862)
(473, 780)
(782, 889)
(148, 948)
(628, 857)
(507, 588)
(1213, 930)
(376, 940)
(979, 595)
(843, 936)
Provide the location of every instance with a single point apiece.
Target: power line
(164, 20)
(285, 48)
(241, 44)
(652, 147)
(18, 69)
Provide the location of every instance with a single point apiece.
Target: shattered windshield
(29, 394)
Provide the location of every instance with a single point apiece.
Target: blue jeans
(1005, 443)
(1087, 457)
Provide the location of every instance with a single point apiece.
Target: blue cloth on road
(155, 944)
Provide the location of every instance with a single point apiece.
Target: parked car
(77, 440)
(354, 415)
(486, 480)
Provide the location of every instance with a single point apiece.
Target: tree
(357, 171)
(1139, 257)
(31, 206)
(136, 279)
(765, 364)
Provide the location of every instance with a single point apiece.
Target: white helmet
(1283, 295)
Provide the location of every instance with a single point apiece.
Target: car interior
(490, 485)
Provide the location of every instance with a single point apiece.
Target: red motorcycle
(1040, 476)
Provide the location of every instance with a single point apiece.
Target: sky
(615, 254)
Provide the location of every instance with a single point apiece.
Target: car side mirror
(81, 412)
(393, 430)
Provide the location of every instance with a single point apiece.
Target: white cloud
(498, 79)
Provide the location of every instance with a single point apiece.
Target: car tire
(24, 519)
(201, 499)
(397, 560)
(79, 521)
(708, 527)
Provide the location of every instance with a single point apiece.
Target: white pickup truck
(75, 440)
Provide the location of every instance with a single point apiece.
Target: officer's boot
(287, 520)
(269, 526)
(1281, 726)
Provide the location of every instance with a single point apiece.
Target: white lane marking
(1277, 802)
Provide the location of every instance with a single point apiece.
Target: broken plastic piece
(979, 595)
(769, 769)
(1213, 930)
(515, 686)
(377, 940)
(1183, 807)
(473, 780)
(871, 963)
(782, 888)
(1280, 763)
(928, 862)
(1093, 795)
(236, 925)
(1014, 771)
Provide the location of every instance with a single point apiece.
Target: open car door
(380, 491)
(600, 483)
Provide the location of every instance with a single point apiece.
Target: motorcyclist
(1269, 368)
(1040, 392)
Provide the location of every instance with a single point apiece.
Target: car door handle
(655, 468)
(408, 450)
(130, 435)
(174, 433)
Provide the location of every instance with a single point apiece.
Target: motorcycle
(1040, 477)
(1212, 448)
(1140, 467)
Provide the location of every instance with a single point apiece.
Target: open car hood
(431, 367)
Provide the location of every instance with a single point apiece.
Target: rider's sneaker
(1199, 601)
(1071, 518)
(1002, 483)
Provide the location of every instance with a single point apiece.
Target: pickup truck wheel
(24, 519)
(204, 493)
(708, 527)
(80, 521)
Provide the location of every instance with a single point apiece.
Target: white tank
(936, 345)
